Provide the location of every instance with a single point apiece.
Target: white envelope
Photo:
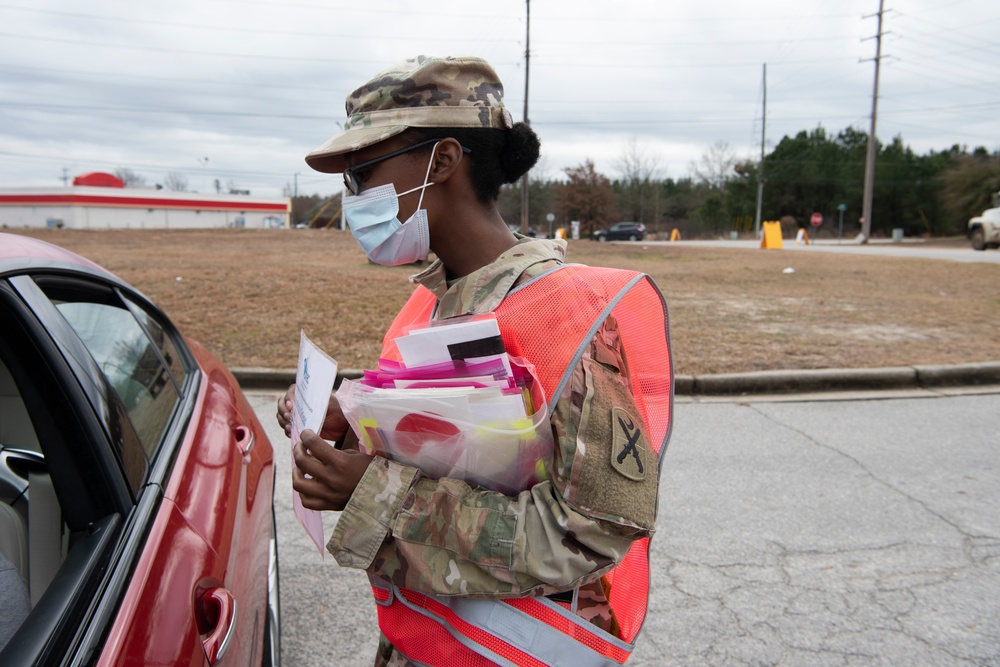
(436, 344)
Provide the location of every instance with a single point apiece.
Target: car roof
(21, 252)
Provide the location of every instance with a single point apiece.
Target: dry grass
(246, 293)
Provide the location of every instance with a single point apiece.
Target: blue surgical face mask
(373, 218)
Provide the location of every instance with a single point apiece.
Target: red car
(136, 519)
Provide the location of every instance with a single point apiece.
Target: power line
(74, 75)
(981, 86)
(943, 58)
(180, 112)
(561, 18)
(931, 55)
(283, 5)
(354, 61)
(354, 35)
(722, 120)
(194, 52)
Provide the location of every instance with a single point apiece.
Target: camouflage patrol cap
(423, 91)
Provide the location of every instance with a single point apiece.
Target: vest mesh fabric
(551, 329)
(417, 309)
(648, 341)
(552, 316)
(546, 322)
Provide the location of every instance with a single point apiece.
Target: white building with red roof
(101, 201)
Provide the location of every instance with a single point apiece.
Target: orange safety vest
(548, 320)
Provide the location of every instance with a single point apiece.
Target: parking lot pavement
(819, 532)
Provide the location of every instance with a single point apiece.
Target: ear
(447, 158)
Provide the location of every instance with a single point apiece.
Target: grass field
(246, 293)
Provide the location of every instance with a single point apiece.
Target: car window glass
(168, 351)
(131, 361)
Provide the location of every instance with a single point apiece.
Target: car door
(206, 571)
(80, 509)
(166, 583)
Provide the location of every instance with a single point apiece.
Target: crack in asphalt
(836, 606)
(917, 501)
(808, 619)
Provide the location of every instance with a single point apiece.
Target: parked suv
(984, 230)
(622, 231)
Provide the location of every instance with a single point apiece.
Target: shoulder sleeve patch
(615, 472)
(628, 452)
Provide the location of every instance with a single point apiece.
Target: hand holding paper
(314, 381)
(324, 477)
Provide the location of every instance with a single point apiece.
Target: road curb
(760, 382)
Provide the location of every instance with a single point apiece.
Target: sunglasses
(352, 181)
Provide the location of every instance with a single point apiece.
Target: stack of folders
(455, 406)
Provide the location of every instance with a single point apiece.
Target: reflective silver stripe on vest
(470, 644)
(536, 638)
(524, 632)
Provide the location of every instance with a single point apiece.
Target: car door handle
(244, 439)
(219, 608)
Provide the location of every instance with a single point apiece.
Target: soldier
(464, 575)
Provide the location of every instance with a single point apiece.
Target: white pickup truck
(984, 230)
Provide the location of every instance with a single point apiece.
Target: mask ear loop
(423, 189)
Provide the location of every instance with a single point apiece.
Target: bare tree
(716, 165)
(175, 181)
(637, 164)
(129, 177)
(968, 185)
(639, 170)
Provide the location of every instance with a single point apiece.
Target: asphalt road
(811, 530)
(907, 248)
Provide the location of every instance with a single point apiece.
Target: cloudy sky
(239, 90)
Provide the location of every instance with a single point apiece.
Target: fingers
(317, 448)
(285, 402)
(334, 423)
(313, 493)
(284, 411)
(351, 442)
(325, 477)
(312, 480)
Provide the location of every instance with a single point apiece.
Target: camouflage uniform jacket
(446, 537)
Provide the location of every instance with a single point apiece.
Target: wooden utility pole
(527, 60)
(866, 207)
(760, 171)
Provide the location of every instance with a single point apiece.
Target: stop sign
(816, 219)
